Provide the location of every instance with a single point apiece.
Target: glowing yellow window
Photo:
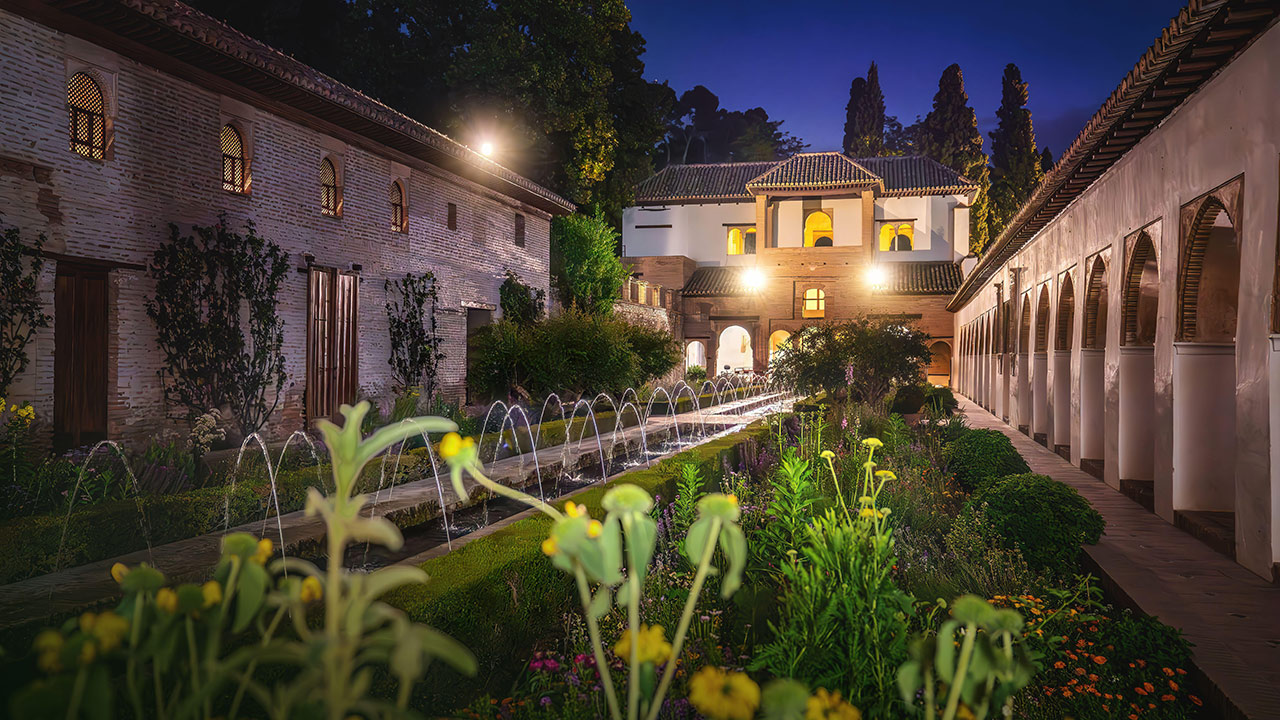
(817, 230)
(735, 241)
(776, 340)
(896, 237)
(815, 303)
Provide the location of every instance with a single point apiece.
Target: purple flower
(545, 701)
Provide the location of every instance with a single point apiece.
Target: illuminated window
(234, 177)
(817, 229)
(815, 303)
(86, 117)
(741, 241)
(777, 339)
(896, 236)
(735, 242)
(330, 193)
(398, 222)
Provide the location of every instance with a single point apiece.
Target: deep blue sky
(796, 59)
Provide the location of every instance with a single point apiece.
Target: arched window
(234, 176)
(749, 241)
(815, 303)
(735, 244)
(896, 236)
(330, 195)
(777, 339)
(86, 117)
(399, 222)
(817, 229)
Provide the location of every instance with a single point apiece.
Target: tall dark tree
(949, 134)
(867, 136)
(1015, 164)
(857, 89)
(700, 131)
(1046, 161)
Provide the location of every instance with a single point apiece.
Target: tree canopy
(585, 269)
(864, 117)
(1015, 164)
(949, 134)
(698, 130)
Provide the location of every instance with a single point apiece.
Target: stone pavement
(1230, 615)
(77, 588)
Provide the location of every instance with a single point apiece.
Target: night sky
(796, 59)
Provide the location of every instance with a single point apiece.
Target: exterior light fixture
(877, 277)
(486, 148)
(753, 279)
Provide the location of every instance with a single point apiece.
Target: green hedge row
(499, 595)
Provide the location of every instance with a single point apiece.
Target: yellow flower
(574, 510)
(87, 621)
(118, 571)
(594, 528)
(450, 445)
(167, 600)
(886, 475)
(87, 652)
(829, 706)
(49, 661)
(109, 629)
(724, 695)
(265, 550)
(865, 500)
(872, 443)
(312, 590)
(827, 454)
(885, 511)
(212, 591)
(48, 641)
(652, 646)
(867, 512)
(550, 547)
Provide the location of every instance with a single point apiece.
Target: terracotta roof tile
(917, 175)
(715, 280)
(824, 170)
(714, 181)
(922, 278)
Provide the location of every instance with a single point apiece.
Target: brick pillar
(764, 234)
(868, 223)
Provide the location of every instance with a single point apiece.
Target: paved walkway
(73, 589)
(1230, 615)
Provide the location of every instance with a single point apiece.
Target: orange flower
(1195, 699)
(1059, 665)
(1167, 671)
(1173, 685)
(1148, 687)
(1093, 677)
(1133, 716)
(1066, 693)
(1142, 663)
(1079, 671)
(1099, 660)
(1167, 698)
(1181, 671)
(1140, 691)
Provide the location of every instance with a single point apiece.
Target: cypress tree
(1015, 164)
(867, 138)
(1046, 161)
(856, 90)
(949, 134)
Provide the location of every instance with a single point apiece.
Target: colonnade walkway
(1230, 615)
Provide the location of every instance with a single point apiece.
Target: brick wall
(164, 166)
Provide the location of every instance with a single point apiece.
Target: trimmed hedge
(1047, 520)
(500, 596)
(980, 456)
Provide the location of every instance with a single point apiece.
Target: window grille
(233, 161)
(86, 117)
(398, 223)
(328, 188)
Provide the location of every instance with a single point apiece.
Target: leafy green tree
(20, 309)
(415, 338)
(864, 358)
(585, 268)
(1015, 164)
(949, 134)
(865, 130)
(700, 131)
(520, 303)
(204, 283)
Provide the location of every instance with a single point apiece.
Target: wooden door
(333, 305)
(80, 356)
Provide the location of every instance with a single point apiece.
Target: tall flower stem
(593, 628)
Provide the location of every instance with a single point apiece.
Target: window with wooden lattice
(330, 192)
(235, 166)
(86, 117)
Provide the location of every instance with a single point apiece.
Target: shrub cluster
(979, 456)
(1045, 519)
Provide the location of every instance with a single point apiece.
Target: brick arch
(1066, 314)
(1042, 320)
(1143, 251)
(1198, 221)
(1024, 329)
(1095, 305)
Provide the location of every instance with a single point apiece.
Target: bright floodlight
(486, 148)
(877, 276)
(753, 278)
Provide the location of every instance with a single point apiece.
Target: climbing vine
(20, 310)
(415, 338)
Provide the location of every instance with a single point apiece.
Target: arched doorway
(1023, 368)
(695, 355)
(817, 229)
(1040, 371)
(1063, 341)
(939, 372)
(1092, 366)
(733, 351)
(1204, 362)
(775, 340)
(1140, 288)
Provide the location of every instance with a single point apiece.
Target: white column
(1092, 363)
(1024, 389)
(1040, 392)
(1204, 426)
(1137, 412)
(1061, 398)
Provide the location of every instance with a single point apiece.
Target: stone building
(761, 249)
(118, 117)
(1127, 316)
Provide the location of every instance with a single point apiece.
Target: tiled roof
(1204, 37)
(917, 175)
(912, 175)
(921, 278)
(714, 181)
(814, 171)
(707, 281)
(185, 34)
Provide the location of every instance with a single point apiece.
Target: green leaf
(695, 542)
(250, 591)
(971, 609)
(642, 536)
(446, 648)
(734, 545)
(98, 702)
(910, 679)
(784, 699)
(397, 432)
(599, 606)
(143, 579)
(945, 652)
(376, 530)
(380, 581)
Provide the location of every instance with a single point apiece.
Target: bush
(1045, 519)
(979, 456)
(585, 267)
(908, 399)
(940, 398)
(695, 375)
(573, 354)
(865, 357)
